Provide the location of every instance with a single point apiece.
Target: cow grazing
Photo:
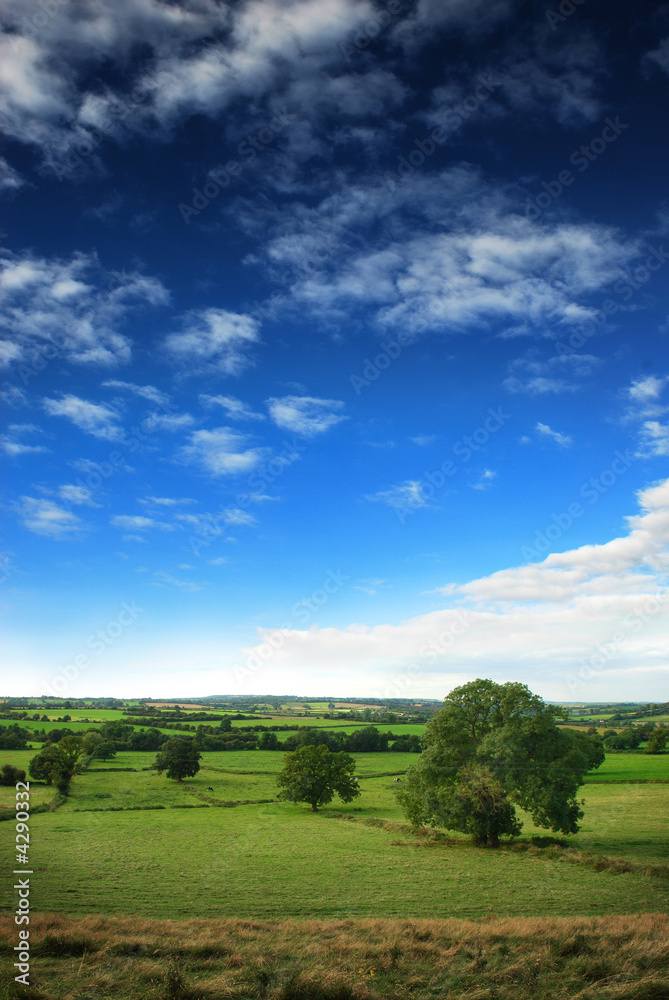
(396, 780)
(209, 788)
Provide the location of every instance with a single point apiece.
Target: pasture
(135, 842)
(249, 860)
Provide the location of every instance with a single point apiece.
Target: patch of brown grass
(585, 958)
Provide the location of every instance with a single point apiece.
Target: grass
(632, 767)
(87, 714)
(612, 958)
(108, 849)
(279, 859)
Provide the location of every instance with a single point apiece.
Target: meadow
(132, 843)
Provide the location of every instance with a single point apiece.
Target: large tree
(179, 757)
(493, 746)
(314, 774)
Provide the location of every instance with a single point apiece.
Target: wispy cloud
(563, 440)
(404, 496)
(137, 522)
(166, 501)
(234, 408)
(214, 339)
(144, 391)
(69, 309)
(162, 579)
(484, 481)
(537, 375)
(94, 418)
(80, 496)
(305, 415)
(44, 517)
(12, 443)
(221, 452)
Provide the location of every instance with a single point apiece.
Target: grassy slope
(280, 859)
(614, 958)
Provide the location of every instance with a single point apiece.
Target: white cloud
(654, 439)
(81, 496)
(69, 309)
(214, 338)
(9, 179)
(484, 482)
(660, 55)
(171, 422)
(405, 496)
(93, 418)
(166, 501)
(563, 440)
(44, 517)
(221, 452)
(305, 415)
(234, 408)
(149, 392)
(211, 525)
(13, 396)
(424, 440)
(645, 407)
(578, 623)
(137, 522)
(12, 443)
(460, 254)
(161, 579)
(647, 388)
(536, 375)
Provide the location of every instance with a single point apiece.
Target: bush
(10, 774)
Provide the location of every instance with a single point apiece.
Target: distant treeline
(123, 736)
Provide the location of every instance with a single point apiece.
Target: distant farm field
(632, 767)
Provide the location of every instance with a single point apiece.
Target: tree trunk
(493, 840)
(314, 807)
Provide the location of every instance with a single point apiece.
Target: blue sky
(334, 347)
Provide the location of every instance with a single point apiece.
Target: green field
(108, 849)
(632, 767)
(281, 860)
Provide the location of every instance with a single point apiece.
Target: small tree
(179, 757)
(57, 763)
(268, 741)
(90, 740)
(104, 750)
(657, 741)
(314, 774)
(10, 774)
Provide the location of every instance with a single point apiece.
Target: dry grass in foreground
(589, 958)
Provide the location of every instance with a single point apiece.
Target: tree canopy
(491, 747)
(179, 757)
(314, 774)
(57, 762)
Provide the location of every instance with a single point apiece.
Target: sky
(334, 347)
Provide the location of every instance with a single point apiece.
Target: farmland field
(632, 767)
(247, 861)
(126, 854)
(128, 844)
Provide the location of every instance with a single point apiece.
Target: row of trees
(367, 740)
